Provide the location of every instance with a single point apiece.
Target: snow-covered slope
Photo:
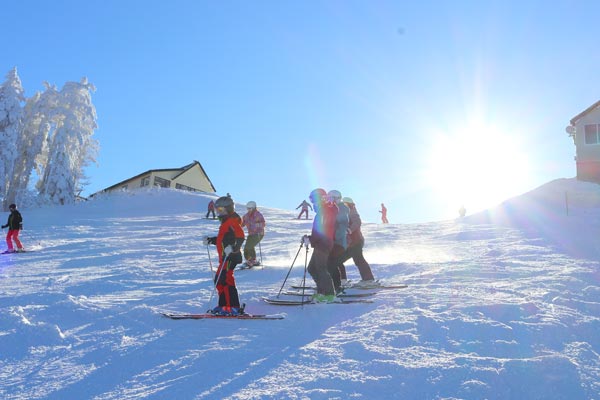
(507, 310)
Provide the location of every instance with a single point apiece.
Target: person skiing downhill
(305, 205)
(229, 242)
(321, 240)
(383, 212)
(211, 209)
(14, 224)
(254, 222)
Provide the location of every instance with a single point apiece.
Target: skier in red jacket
(211, 209)
(383, 212)
(356, 242)
(229, 242)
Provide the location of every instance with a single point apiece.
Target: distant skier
(305, 205)
(254, 222)
(229, 242)
(356, 242)
(383, 212)
(211, 209)
(14, 224)
(321, 240)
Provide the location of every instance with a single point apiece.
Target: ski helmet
(316, 195)
(251, 204)
(334, 195)
(225, 203)
(347, 200)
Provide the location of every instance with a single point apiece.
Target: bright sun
(478, 166)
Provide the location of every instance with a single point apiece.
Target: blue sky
(423, 106)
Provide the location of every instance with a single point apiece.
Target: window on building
(162, 182)
(145, 181)
(184, 187)
(591, 134)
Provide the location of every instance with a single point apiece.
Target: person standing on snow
(356, 242)
(383, 212)
(254, 222)
(211, 209)
(340, 242)
(321, 240)
(14, 224)
(304, 210)
(228, 241)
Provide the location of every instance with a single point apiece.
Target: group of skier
(335, 238)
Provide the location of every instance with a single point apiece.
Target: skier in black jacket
(14, 224)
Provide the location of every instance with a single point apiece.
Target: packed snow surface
(503, 304)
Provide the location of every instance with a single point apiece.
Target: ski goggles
(221, 210)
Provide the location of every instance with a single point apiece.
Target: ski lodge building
(585, 131)
(190, 177)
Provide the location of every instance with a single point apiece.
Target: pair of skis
(344, 298)
(308, 300)
(215, 316)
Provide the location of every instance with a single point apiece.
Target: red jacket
(323, 230)
(230, 234)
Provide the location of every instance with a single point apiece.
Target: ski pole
(305, 269)
(291, 266)
(220, 271)
(260, 252)
(209, 260)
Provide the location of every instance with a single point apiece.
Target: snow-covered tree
(70, 145)
(51, 135)
(11, 98)
(38, 114)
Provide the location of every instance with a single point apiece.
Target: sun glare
(476, 167)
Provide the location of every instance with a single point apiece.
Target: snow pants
(333, 266)
(13, 234)
(225, 282)
(317, 268)
(249, 246)
(304, 211)
(356, 253)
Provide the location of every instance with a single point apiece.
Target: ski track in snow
(490, 312)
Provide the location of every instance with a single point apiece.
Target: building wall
(194, 177)
(587, 155)
(588, 171)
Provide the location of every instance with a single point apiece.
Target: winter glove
(238, 245)
(4, 226)
(228, 250)
(305, 240)
(210, 240)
